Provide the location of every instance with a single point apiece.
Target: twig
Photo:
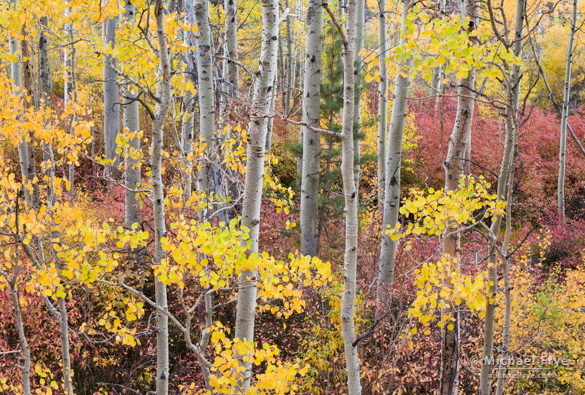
(371, 329)
(478, 165)
(552, 96)
(318, 130)
(121, 386)
(337, 25)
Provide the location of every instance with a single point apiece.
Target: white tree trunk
(131, 120)
(382, 100)
(311, 139)
(69, 85)
(25, 367)
(290, 65)
(357, 109)
(506, 327)
(162, 110)
(230, 85)
(454, 168)
(263, 92)
(133, 166)
(111, 99)
(351, 206)
(28, 86)
(206, 95)
(565, 115)
(437, 80)
(392, 174)
(45, 85)
(513, 98)
(16, 76)
(189, 100)
(230, 69)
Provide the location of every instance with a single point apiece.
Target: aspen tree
(351, 208)
(230, 83)
(230, 56)
(512, 86)
(16, 76)
(187, 129)
(437, 79)
(506, 327)
(382, 100)
(206, 96)
(230, 70)
(269, 133)
(69, 84)
(357, 110)
(290, 65)
(392, 170)
(311, 139)
(111, 98)
(454, 168)
(131, 121)
(12, 281)
(254, 180)
(45, 85)
(28, 85)
(162, 111)
(565, 115)
(348, 38)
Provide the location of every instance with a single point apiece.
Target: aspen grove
(292, 197)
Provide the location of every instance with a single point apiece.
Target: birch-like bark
(300, 160)
(69, 86)
(357, 109)
(29, 87)
(271, 124)
(132, 174)
(187, 131)
(131, 121)
(230, 68)
(230, 83)
(64, 336)
(382, 100)
(189, 100)
(489, 326)
(45, 85)
(454, 168)
(111, 99)
(205, 180)
(206, 96)
(25, 367)
(16, 76)
(351, 202)
(281, 73)
(565, 115)
(437, 79)
(311, 139)
(290, 65)
(162, 110)
(506, 327)
(392, 170)
(513, 98)
(257, 128)
(23, 342)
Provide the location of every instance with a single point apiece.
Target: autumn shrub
(536, 165)
(547, 325)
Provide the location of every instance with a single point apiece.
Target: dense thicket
(291, 197)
